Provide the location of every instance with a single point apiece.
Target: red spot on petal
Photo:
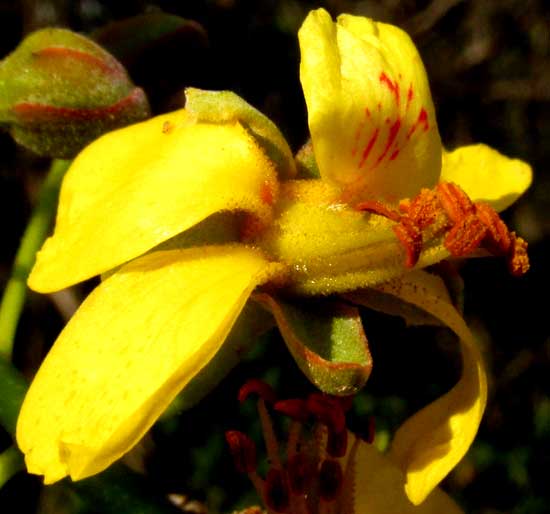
(369, 146)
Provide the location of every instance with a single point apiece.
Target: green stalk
(37, 229)
(11, 462)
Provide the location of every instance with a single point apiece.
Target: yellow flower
(188, 213)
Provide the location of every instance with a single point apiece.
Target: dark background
(489, 68)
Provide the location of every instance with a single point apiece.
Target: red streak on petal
(410, 96)
(394, 154)
(422, 120)
(392, 86)
(356, 138)
(367, 112)
(368, 148)
(394, 129)
(379, 106)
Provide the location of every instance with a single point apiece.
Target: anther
(376, 207)
(243, 451)
(327, 410)
(497, 239)
(258, 387)
(518, 260)
(331, 478)
(276, 494)
(294, 408)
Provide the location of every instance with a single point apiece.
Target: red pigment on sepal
(29, 112)
(259, 387)
(243, 451)
(71, 53)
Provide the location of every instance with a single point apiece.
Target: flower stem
(14, 295)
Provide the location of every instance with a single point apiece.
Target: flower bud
(60, 90)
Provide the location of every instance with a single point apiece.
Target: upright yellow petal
(379, 488)
(370, 111)
(486, 175)
(430, 443)
(139, 186)
(135, 342)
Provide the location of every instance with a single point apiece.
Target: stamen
(327, 411)
(331, 479)
(271, 443)
(276, 494)
(337, 443)
(259, 387)
(346, 502)
(294, 408)
(410, 237)
(497, 239)
(243, 451)
(465, 236)
(518, 261)
(301, 471)
(376, 207)
(454, 200)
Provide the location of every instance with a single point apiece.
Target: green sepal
(327, 341)
(306, 163)
(389, 304)
(228, 107)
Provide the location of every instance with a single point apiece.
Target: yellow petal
(370, 111)
(486, 175)
(135, 342)
(379, 488)
(430, 443)
(137, 187)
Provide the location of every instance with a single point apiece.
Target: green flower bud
(60, 90)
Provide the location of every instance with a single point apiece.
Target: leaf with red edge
(327, 341)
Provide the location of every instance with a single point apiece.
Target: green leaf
(327, 341)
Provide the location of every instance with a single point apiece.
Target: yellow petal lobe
(139, 186)
(134, 343)
(380, 488)
(431, 442)
(370, 111)
(486, 175)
